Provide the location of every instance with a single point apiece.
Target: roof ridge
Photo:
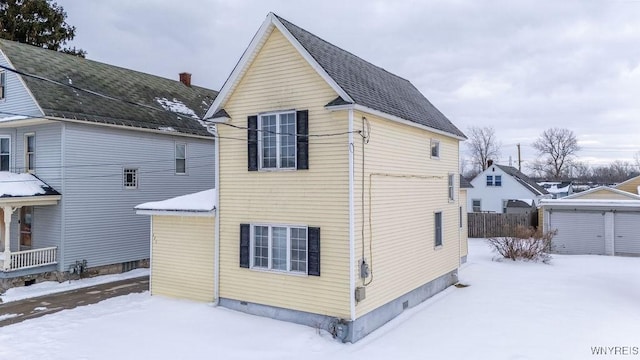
(81, 59)
(341, 49)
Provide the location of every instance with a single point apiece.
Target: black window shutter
(245, 231)
(252, 142)
(313, 267)
(302, 140)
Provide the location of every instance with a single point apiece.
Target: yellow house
(631, 185)
(339, 202)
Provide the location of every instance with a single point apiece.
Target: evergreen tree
(37, 22)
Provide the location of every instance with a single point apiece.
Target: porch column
(8, 211)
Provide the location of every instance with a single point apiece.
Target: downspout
(216, 246)
(213, 129)
(352, 224)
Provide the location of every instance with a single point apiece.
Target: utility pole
(519, 159)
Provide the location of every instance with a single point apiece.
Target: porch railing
(33, 258)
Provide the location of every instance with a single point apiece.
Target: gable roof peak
(368, 87)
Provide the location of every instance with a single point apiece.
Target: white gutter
(392, 118)
(586, 202)
(176, 212)
(352, 224)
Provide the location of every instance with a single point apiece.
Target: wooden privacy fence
(482, 225)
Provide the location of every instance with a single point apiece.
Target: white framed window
(5, 153)
(30, 152)
(279, 248)
(438, 228)
(435, 149)
(277, 140)
(3, 85)
(130, 178)
(181, 158)
(494, 180)
(451, 187)
(476, 205)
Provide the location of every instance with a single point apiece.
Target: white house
(494, 187)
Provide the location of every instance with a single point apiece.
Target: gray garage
(598, 227)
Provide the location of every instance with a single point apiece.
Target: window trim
(437, 245)
(175, 156)
(260, 131)
(460, 214)
(136, 178)
(26, 152)
(269, 267)
(435, 143)
(451, 187)
(8, 137)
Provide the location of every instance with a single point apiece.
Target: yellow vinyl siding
(630, 185)
(603, 194)
(182, 259)
(407, 188)
(464, 230)
(280, 79)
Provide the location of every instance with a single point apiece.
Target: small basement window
(130, 178)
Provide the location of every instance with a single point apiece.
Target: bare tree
(557, 147)
(636, 159)
(482, 146)
(582, 171)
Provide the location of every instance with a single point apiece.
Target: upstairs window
(181, 158)
(130, 180)
(435, 149)
(278, 140)
(30, 152)
(5, 153)
(3, 85)
(494, 180)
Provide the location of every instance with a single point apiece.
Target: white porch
(29, 258)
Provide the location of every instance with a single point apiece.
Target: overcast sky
(518, 66)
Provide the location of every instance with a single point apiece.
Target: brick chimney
(185, 78)
(489, 163)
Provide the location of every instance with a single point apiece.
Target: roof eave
(394, 118)
(192, 213)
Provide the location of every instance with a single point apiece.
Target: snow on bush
(525, 243)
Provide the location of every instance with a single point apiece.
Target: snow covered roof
(22, 185)
(196, 203)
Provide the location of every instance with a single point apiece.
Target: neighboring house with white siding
(495, 186)
(97, 157)
(338, 193)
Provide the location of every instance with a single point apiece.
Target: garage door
(627, 233)
(578, 232)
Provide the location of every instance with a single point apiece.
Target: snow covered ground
(511, 310)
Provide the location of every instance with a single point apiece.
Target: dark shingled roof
(464, 183)
(523, 179)
(65, 102)
(371, 86)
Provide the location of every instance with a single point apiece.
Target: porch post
(8, 211)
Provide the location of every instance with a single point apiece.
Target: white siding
(17, 99)
(492, 197)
